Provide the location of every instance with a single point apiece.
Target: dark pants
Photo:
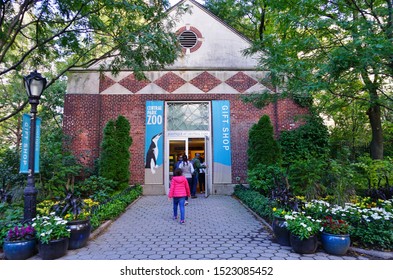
(201, 180)
(194, 184)
(189, 181)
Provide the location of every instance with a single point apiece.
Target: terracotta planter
(80, 233)
(335, 244)
(305, 246)
(19, 250)
(54, 249)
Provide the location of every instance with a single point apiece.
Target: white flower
(375, 216)
(309, 228)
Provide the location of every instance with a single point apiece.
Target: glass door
(177, 147)
(208, 162)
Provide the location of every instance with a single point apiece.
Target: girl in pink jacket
(179, 191)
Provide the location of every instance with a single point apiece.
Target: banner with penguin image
(154, 144)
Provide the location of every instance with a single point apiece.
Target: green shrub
(310, 139)
(257, 202)
(114, 207)
(376, 175)
(115, 155)
(264, 178)
(306, 177)
(262, 147)
(97, 188)
(9, 217)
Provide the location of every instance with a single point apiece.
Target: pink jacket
(179, 187)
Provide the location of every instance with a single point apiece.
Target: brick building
(192, 106)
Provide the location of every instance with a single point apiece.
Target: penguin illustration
(152, 153)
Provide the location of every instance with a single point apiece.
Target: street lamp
(34, 84)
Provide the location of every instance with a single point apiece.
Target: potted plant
(77, 213)
(303, 232)
(20, 243)
(53, 236)
(279, 226)
(335, 236)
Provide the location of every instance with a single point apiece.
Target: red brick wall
(85, 117)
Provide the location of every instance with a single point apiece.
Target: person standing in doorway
(179, 160)
(187, 169)
(197, 165)
(201, 177)
(179, 191)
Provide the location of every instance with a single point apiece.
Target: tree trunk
(376, 145)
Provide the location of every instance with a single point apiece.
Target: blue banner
(154, 144)
(222, 142)
(24, 153)
(37, 146)
(25, 147)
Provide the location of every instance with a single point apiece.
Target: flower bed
(371, 223)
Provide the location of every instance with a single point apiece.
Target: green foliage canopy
(332, 50)
(56, 35)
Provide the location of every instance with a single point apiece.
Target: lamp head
(34, 84)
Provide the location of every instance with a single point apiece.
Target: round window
(188, 39)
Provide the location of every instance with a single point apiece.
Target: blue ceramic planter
(280, 231)
(54, 249)
(19, 250)
(80, 233)
(304, 246)
(335, 244)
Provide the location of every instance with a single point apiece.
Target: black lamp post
(34, 84)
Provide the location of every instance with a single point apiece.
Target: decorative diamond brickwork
(105, 82)
(170, 82)
(241, 82)
(205, 81)
(133, 84)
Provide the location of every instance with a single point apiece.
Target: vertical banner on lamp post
(25, 148)
(37, 146)
(24, 155)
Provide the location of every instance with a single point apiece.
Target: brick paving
(217, 228)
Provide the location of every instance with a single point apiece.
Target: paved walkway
(217, 227)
